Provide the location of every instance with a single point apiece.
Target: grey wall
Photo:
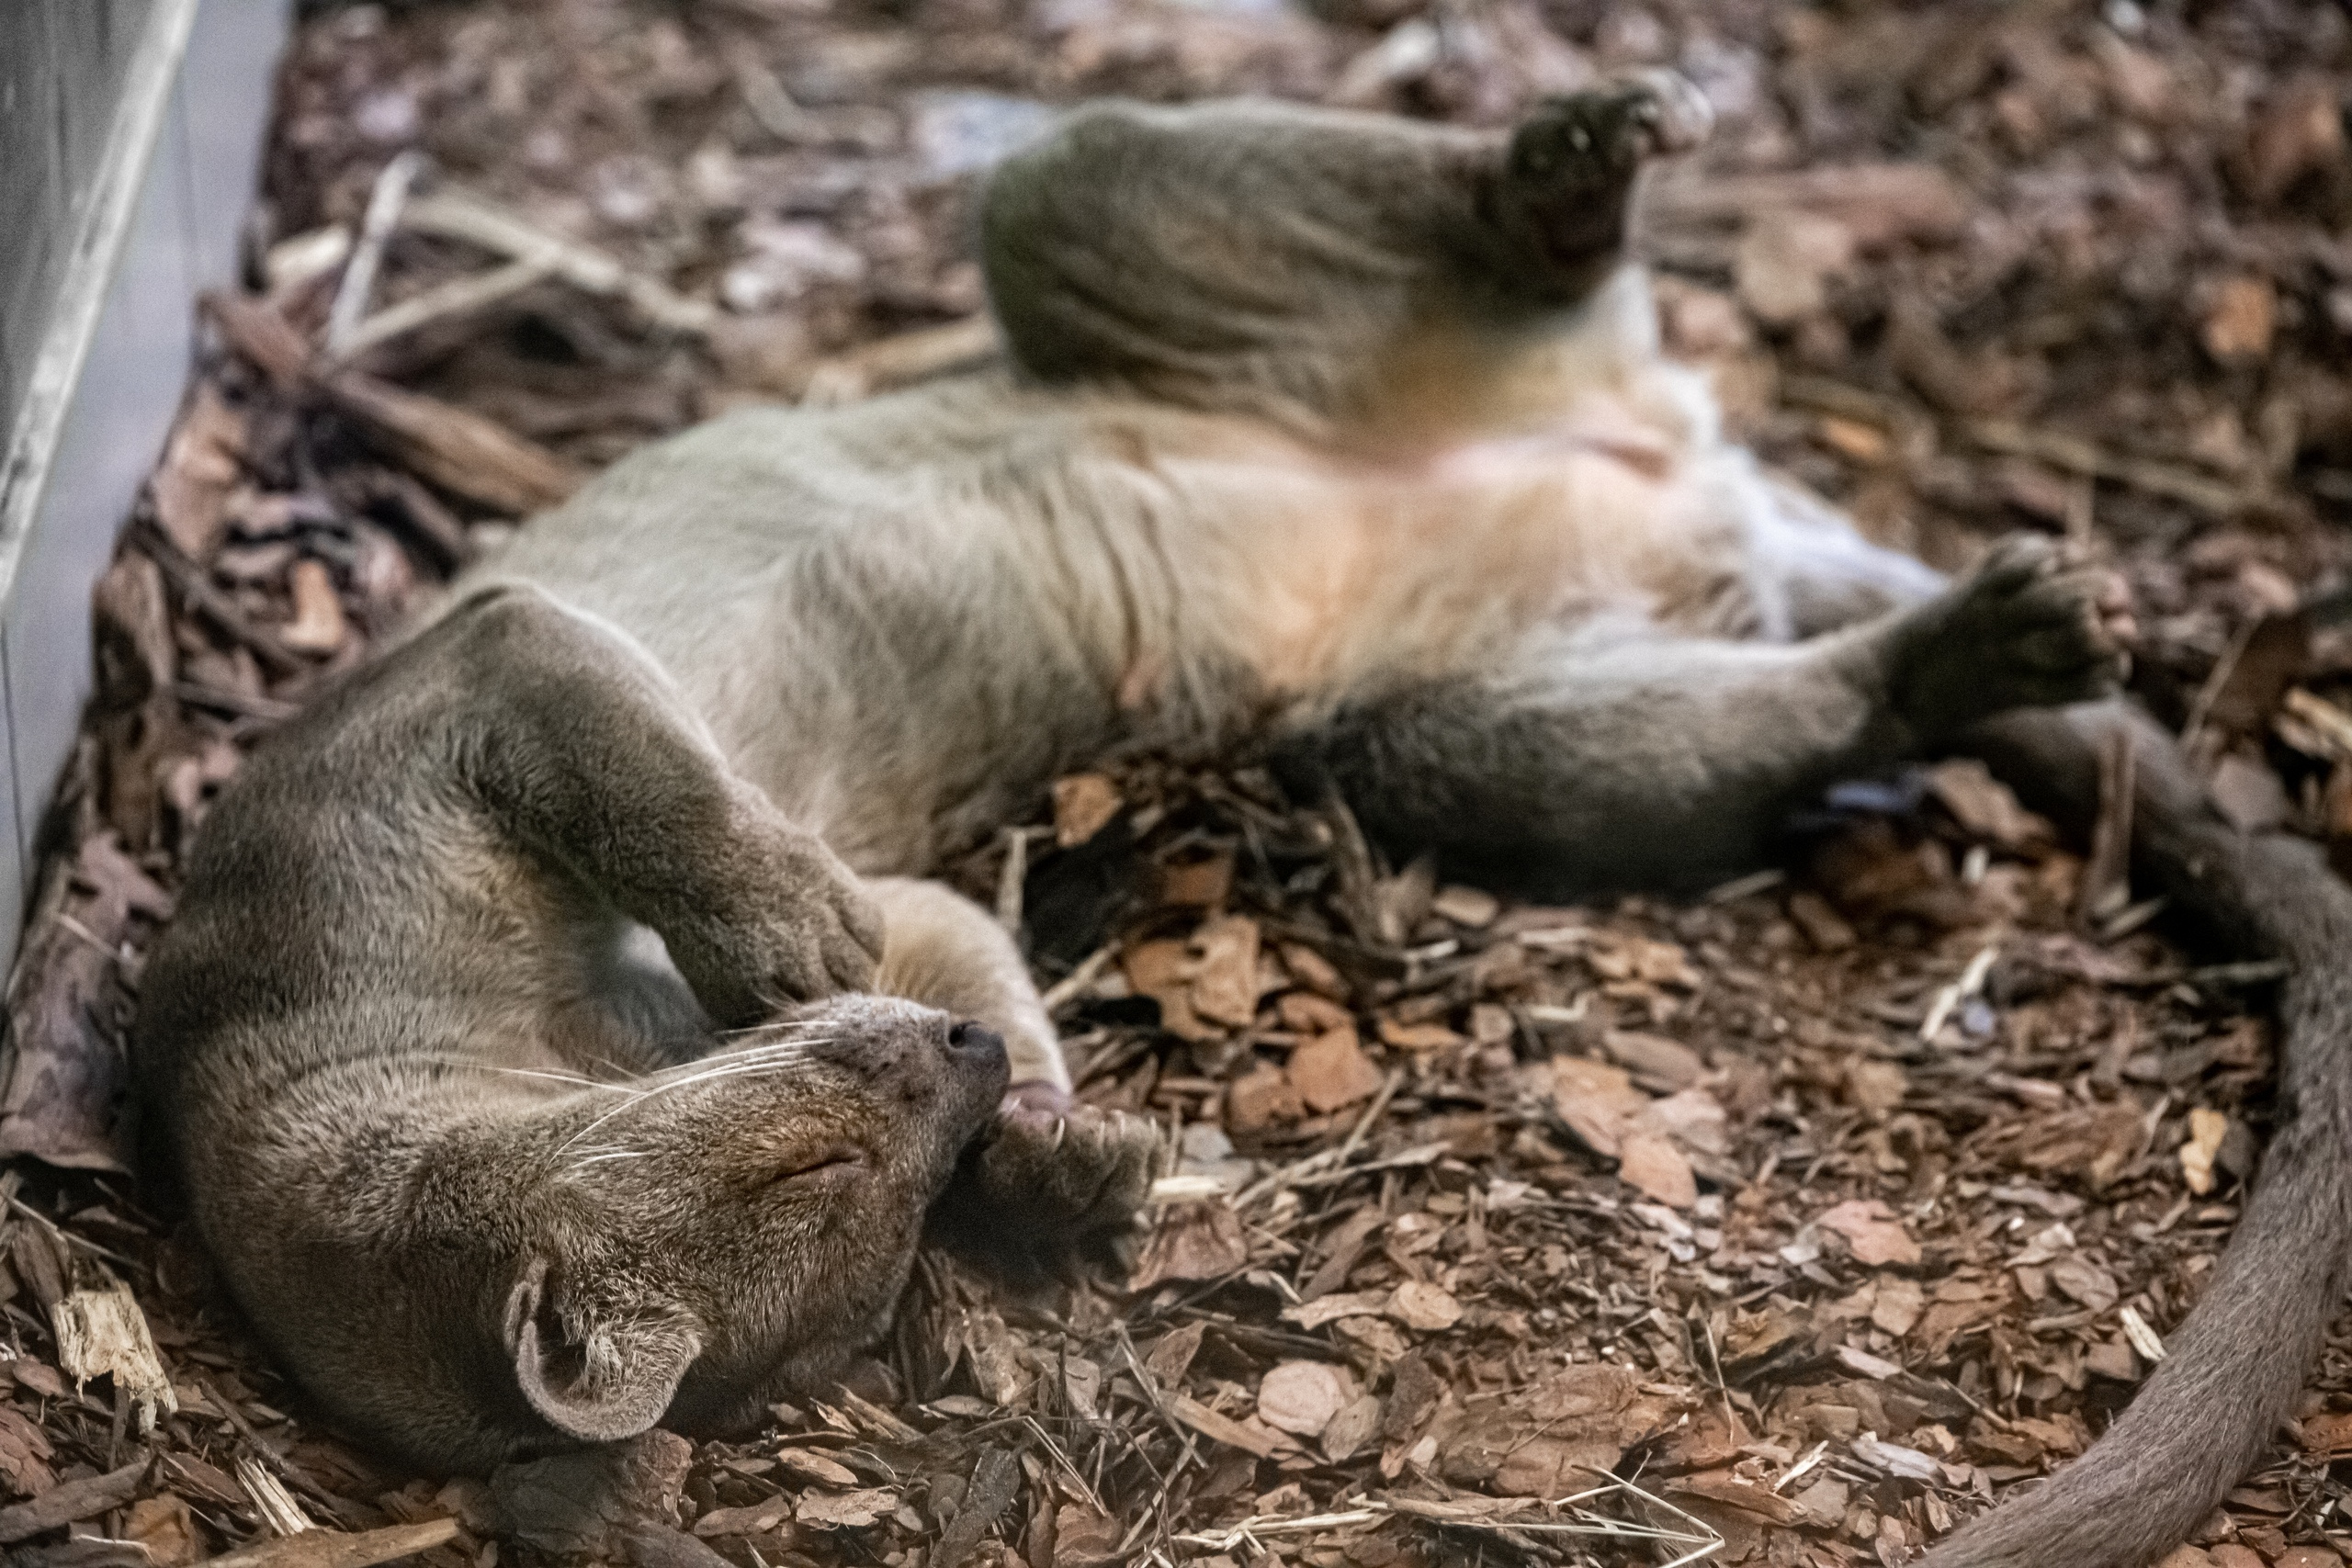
(63, 66)
(130, 141)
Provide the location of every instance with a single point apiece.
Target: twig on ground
(376, 229)
(459, 297)
(901, 361)
(2076, 456)
(329, 1549)
(455, 213)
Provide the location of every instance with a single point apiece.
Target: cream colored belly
(1349, 572)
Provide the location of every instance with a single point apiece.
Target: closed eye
(839, 1161)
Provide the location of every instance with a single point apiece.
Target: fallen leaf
(810, 1465)
(1419, 1305)
(40, 1377)
(165, 1526)
(1614, 956)
(1375, 1338)
(1172, 1354)
(1314, 970)
(1650, 1163)
(850, 1510)
(317, 626)
(1693, 1118)
(1737, 1492)
(1419, 1036)
(199, 472)
(1301, 1397)
(1470, 906)
(1824, 1502)
(1084, 1538)
(1259, 1438)
(1898, 1304)
(1331, 1070)
(2241, 320)
(2308, 1557)
(1872, 1232)
(1158, 967)
(1545, 1439)
(1784, 262)
(1596, 1100)
(1260, 1098)
(1225, 982)
(1307, 1013)
(994, 1354)
(2206, 1131)
(1084, 805)
(1162, 970)
(1876, 1087)
(2112, 1358)
(1192, 1241)
(1823, 926)
(755, 1518)
(1201, 883)
(2327, 1435)
(24, 1455)
(1671, 1062)
(2299, 131)
(2085, 1281)
(1351, 1427)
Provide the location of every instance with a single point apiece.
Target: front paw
(2034, 626)
(791, 924)
(1052, 1189)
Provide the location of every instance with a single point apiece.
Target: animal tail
(2235, 1365)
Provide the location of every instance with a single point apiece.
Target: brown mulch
(1808, 1216)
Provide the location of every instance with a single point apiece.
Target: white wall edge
(177, 177)
(57, 370)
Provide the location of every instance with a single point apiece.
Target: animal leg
(1051, 1178)
(1665, 762)
(580, 750)
(1282, 261)
(1814, 568)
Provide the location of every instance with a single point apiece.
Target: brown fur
(1334, 435)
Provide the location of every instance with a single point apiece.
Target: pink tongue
(1036, 1094)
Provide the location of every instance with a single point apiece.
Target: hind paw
(1559, 206)
(2034, 626)
(1053, 1187)
(1601, 136)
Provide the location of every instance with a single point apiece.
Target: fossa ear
(598, 1378)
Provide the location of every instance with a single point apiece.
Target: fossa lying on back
(1339, 436)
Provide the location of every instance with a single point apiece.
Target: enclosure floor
(1689, 1193)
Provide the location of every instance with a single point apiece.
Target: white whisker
(779, 1023)
(575, 1079)
(746, 1063)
